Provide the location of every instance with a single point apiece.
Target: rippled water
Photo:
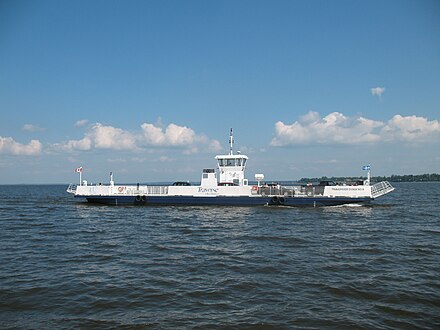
(68, 264)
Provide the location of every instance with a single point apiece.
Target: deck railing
(276, 191)
(147, 190)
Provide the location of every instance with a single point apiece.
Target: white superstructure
(231, 167)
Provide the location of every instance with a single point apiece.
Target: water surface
(69, 264)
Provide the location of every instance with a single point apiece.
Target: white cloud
(177, 137)
(411, 129)
(83, 144)
(109, 137)
(32, 128)
(309, 117)
(377, 91)
(101, 137)
(150, 136)
(9, 146)
(336, 128)
(81, 123)
(173, 135)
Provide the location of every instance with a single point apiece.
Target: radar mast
(231, 143)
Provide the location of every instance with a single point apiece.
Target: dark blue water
(67, 264)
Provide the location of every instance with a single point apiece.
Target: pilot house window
(232, 162)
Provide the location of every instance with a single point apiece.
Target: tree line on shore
(393, 178)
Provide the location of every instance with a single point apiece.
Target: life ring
(254, 187)
(121, 189)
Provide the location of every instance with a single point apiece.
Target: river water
(68, 264)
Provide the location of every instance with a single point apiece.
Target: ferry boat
(228, 186)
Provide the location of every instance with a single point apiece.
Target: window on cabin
(232, 162)
(205, 175)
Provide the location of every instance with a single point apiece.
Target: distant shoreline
(433, 177)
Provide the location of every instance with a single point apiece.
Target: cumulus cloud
(101, 137)
(177, 137)
(109, 137)
(9, 146)
(32, 128)
(83, 144)
(377, 91)
(411, 129)
(334, 128)
(337, 128)
(150, 136)
(310, 117)
(173, 135)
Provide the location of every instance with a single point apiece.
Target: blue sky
(150, 89)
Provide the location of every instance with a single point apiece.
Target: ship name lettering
(346, 188)
(208, 190)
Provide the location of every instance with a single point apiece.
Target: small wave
(431, 231)
(347, 205)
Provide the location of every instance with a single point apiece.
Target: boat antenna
(231, 142)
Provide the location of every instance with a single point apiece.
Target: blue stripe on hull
(224, 200)
(324, 201)
(178, 200)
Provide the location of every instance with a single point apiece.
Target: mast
(369, 175)
(368, 169)
(231, 143)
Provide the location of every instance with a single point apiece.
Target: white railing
(144, 190)
(381, 188)
(157, 190)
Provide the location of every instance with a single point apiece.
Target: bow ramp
(381, 188)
